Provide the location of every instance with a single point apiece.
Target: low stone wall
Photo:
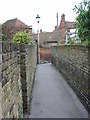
(74, 63)
(17, 68)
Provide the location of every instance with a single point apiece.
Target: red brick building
(10, 27)
(67, 25)
(63, 27)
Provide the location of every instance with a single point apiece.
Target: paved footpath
(52, 97)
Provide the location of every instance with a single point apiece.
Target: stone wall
(17, 67)
(0, 80)
(74, 63)
(28, 62)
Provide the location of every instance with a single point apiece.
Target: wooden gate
(45, 55)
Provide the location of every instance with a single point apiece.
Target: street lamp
(57, 27)
(38, 20)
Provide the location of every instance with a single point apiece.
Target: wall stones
(28, 62)
(17, 68)
(73, 62)
(11, 96)
(0, 79)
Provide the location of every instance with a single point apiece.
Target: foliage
(86, 43)
(0, 27)
(22, 37)
(70, 42)
(0, 32)
(4, 37)
(83, 21)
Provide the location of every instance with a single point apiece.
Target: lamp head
(38, 18)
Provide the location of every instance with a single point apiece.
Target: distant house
(72, 36)
(62, 28)
(48, 39)
(10, 27)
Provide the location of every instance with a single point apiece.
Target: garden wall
(74, 63)
(17, 68)
(0, 80)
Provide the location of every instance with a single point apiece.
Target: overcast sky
(26, 11)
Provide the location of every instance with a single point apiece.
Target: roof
(69, 25)
(10, 27)
(14, 22)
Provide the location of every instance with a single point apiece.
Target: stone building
(10, 27)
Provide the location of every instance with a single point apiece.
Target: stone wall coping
(82, 47)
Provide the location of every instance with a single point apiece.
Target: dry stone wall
(74, 63)
(17, 68)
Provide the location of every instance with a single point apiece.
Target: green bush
(83, 21)
(4, 37)
(22, 37)
(70, 42)
(0, 28)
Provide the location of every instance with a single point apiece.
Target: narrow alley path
(52, 97)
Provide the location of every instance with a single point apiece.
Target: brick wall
(74, 63)
(45, 55)
(16, 78)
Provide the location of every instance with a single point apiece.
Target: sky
(27, 10)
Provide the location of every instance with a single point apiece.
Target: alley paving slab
(52, 97)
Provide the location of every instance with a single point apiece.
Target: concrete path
(52, 97)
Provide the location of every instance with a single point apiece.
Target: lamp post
(57, 27)
(38, 20)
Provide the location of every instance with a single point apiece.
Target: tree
(0, 27)
(83, 21)
(22, 37)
